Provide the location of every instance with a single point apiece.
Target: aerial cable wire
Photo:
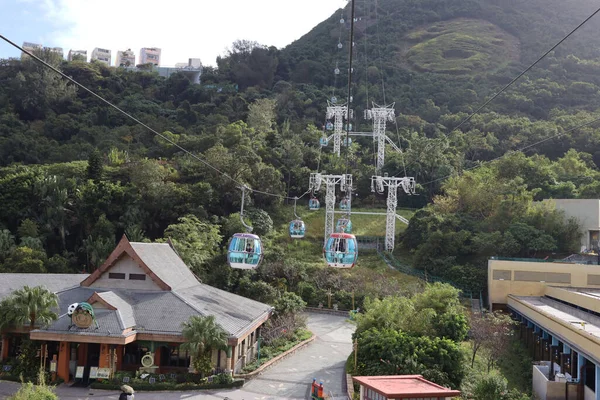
(524, 72)
(141, 123)
(351, 51)
(518, 150)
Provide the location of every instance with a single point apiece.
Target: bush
(29, 391)
(222, 379)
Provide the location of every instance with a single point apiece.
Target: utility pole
(378, 183)
(380, 115)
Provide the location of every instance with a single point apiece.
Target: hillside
(481, 43)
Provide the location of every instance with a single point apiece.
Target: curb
(341, 313)
(275, 360)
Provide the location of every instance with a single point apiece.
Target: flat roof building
(391, 387)
(77, 55)
(102, 55)
(31, 47)
(587, 213)
(150, 55)
(125, 58)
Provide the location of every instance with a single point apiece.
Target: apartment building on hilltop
(150, 55)
(102, 55)
(77, 55)
(125, 58)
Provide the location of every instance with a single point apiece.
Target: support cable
(350, 82)
(167, 139)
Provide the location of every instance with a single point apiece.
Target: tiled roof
(166, 264)
(160, 312)
(108, 325)
(234, 313)
(124, 308)
(52, 282)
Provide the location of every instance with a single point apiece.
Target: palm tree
(203, 335)
(32, 305)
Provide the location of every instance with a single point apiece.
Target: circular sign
(148, 360)
(82, 319)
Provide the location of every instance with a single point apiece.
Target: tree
(25, 260)
(196, 241)
(31, 305)
(95, 167)
(203, 335)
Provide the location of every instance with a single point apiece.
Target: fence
(475, 297)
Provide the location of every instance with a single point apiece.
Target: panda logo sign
(82, 314)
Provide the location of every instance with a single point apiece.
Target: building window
(137, 277)
(174, 357)
(116, 275)
(594, 237)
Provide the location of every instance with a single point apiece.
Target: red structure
(401, 387)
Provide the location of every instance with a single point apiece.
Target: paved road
(323, 359)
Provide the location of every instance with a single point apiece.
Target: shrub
(29, 391)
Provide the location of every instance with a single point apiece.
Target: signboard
(79, 373)
(103, 373)
(125, 379)
(152, 380)
(93, 372)
(7, 368)
(52, 366)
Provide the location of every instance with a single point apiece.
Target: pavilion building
(139, 297)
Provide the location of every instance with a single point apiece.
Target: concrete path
(323, 359)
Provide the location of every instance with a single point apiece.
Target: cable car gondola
(341, 250)
(344, 204)
(313, 204)
(245, 249)
(297, 226)
(324, 141)
(343, 225)
(329, 126)
(346, 142)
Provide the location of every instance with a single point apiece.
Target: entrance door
(93, 359)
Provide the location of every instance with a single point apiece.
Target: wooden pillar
(82, 354)
(157, 355)
(104, 361)
(119, 356)
(64, 356)
(5, 344)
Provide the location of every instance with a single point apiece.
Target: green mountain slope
(481, 43)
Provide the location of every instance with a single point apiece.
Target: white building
(102, 55)
(77, 54)
(57, 50)
(587, 213)
(125, 58)
(195, 63)
(150, 55)
(30, 47)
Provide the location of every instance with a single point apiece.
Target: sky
(183, 29)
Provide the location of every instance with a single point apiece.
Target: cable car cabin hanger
(341, 250)
(297, 226)
(245, 249)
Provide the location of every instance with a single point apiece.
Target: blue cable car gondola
(347, 142)
(344, 204)
(324, 141)
(313, 204)
(297, 229)
(341, 250)
(343, 225)
(245, 249)
(329, 126)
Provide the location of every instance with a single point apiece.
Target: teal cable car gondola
(313, 204)
(343, 225)
(324, 141)
(245, 249)
(297, 226)
(341, 250)
(345, 204)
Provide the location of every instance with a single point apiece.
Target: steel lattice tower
(338, 113)
(379, 183)
(330, 182)
(380, 115)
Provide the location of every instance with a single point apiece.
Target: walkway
(323, 359)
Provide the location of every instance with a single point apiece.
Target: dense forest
(76, 174)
